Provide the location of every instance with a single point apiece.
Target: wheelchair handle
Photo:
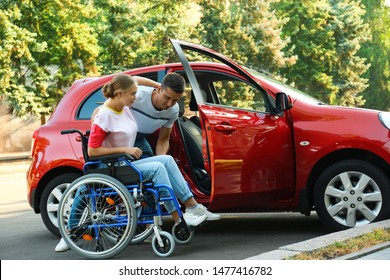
(84, 140)
(70, 131)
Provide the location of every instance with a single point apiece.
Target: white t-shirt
(147, 117)
(120, 127)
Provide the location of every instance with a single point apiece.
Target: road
(23, 235)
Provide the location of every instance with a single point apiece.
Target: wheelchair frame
(109, 206)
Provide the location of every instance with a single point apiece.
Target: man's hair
(175, 82)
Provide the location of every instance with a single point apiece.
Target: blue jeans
(77, 209)
(143, 144)
(164, 170)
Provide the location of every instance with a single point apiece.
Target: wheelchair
(112, 206)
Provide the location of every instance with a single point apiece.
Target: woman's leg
(173, 176)
(180, 187)
(158, 174)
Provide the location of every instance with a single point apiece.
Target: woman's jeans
(164, 170)
(160, 169)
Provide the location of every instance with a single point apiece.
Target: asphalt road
(23, 235)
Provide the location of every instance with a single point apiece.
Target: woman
(114, 131)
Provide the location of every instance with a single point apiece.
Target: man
(157, 108)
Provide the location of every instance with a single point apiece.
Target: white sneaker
(201, 210)
(62, 246)
(194, 220)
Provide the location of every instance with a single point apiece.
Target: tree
(349, 33)
(136, 33)
(246, 31)
(21, 79)
(377, 52)
(58, 47)
(326, 36)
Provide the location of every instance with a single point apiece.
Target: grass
(346, 247)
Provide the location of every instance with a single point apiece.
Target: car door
(248, 150)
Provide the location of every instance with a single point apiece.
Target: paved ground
(20, 162)
(14, 162)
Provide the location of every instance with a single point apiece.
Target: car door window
(90, 103)
(97, 98)
(238, 94)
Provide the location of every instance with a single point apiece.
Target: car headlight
(384, 117)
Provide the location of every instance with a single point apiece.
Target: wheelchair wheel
(142, 233)
(182, 233)
(101, 220)
(167, 247)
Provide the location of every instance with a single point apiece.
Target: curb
(287, 251)
(365, 252)
(14, 162)
(14, 168)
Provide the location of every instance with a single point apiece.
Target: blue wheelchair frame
(120, 168)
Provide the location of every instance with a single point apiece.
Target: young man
(157, 108)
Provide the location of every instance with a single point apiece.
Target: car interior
(191, 133)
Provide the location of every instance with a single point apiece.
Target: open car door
(247, 148)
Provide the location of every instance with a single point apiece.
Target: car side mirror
(282, 102)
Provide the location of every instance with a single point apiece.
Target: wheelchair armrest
(111, 158)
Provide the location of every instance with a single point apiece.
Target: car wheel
(50, 200)
(352, 193)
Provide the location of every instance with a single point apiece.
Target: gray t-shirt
(147, 117)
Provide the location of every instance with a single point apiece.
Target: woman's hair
(120, 82)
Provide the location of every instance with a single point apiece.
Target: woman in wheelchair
(114, 131)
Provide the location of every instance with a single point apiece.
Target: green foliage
(16, 61)
(377, 52)
(326, 35)
(52, 46)
(136, 33)
(349, 33)
(324, 47)
(247, 31)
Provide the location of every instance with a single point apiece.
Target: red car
(252, 144)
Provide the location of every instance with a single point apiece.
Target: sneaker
(201, 210)
(194, 220)
(62, 246)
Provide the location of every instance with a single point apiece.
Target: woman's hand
(134, 152)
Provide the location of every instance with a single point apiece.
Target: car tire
(51, 197)
(352, 193)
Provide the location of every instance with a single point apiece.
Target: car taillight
(33, 141)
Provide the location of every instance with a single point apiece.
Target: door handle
(225, 128)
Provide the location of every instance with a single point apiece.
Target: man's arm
(163, 141)
(94, 113)
(146, 82)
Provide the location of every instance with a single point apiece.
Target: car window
(97, 98)
(238, 94)
(90, 103)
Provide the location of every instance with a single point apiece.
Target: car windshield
(293, 92)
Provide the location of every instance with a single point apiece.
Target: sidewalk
(14, 162)
(20, 162)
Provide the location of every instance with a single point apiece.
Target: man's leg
(143, 144)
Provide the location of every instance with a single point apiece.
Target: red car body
(292, 154)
